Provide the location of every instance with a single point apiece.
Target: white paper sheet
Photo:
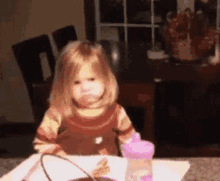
(169, 170)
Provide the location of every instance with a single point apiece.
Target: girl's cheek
(99, 89)
(75, 92)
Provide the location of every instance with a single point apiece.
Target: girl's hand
(104, 151)
(101, 169)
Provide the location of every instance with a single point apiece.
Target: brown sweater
(84, 136)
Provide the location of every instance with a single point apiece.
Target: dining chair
(63, 35)
(27, 54)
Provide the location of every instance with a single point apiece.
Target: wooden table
(202, 76)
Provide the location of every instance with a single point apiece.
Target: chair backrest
(63, 35)
(27, 54)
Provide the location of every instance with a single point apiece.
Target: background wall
(20, 20)
(183, 4)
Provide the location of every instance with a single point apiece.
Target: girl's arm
(45, 139)
(125, 127)
(130, 141)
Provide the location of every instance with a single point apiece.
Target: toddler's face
(87, 87)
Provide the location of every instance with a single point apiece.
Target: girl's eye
(91, 79)
(76, 82)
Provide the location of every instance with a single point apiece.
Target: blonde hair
(71, 59)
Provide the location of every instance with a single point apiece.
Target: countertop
(202, 169)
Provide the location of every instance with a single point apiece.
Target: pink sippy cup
(138, 149)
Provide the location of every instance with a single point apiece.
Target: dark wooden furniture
(63, 35)
(204, 75)
(27, 55)
(140, 95)
(137, 77)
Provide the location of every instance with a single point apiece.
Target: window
(135, 20)
(140, 20)
(131, 23)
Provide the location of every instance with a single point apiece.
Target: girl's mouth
(87, 100)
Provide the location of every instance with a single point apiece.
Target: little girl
(84, 117)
